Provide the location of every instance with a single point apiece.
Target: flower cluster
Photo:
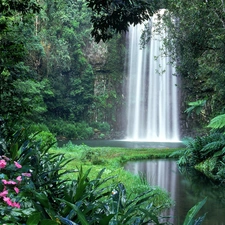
(9, 184)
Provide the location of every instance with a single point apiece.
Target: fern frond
(182, 161)
(212, 147)
(177, 153)
(187, 140)
(196, 107)
(217, 122)
(220, 153)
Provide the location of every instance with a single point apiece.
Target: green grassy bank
(112, 159)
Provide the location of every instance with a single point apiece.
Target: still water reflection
(185, 190)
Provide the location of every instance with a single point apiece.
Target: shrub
(70, 130)
(45, 138)
(14, 206)
(92, 156)
(38, 127)
(102, 127)
(206, 154)
(81, 200)
(84, 132)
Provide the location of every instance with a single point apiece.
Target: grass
(113, 160)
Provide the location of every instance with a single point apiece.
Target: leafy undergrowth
(113, 159)
(75, 185)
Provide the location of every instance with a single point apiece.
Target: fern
(217, 122)
(177, 153)
(211, 148)
(182, 161)
(200, 148)
(196, 107)
(188, 141)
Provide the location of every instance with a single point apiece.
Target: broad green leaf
(105, 220)
(48, 222)
(67, 221)
(34, 219)
(79, 213)
(14, 151)
(189, 219)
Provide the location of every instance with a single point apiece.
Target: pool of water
(186, 189)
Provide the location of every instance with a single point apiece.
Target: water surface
(185, 190)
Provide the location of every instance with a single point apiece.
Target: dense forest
(55, 77)
(61, 72)
(62, 63)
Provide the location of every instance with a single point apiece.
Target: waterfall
(152, 95)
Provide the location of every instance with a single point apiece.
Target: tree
(64, 31)
(15, 19)
(13, 14)
(115, 16)
(197, 41)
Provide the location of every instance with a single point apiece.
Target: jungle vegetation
(50, 81)
(61, 63)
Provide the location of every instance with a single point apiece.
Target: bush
(93, 156)
(79, 131)
(45, 138)
(36, 127)
(206, 154)
(41, 133)
(102, 127)
(84, 132)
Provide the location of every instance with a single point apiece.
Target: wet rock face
(97, 54)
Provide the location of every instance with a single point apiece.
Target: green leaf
(14, 151)
(43, 199)
(79, 213)
(195, 107)
(105, 220)
(48, 222)
(34, 219)
(67, 221)
(189, 219)
(217, 122)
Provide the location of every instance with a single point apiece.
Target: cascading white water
(152, 107)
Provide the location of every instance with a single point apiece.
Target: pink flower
(11, 203)
(3, 193)
(17, 165)
(2, 163)
(26, 174)
(19, 178)
(8, 182)
(12, 182)
(16, 189)
(16, 205)
(4, 181)
(7, 200)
